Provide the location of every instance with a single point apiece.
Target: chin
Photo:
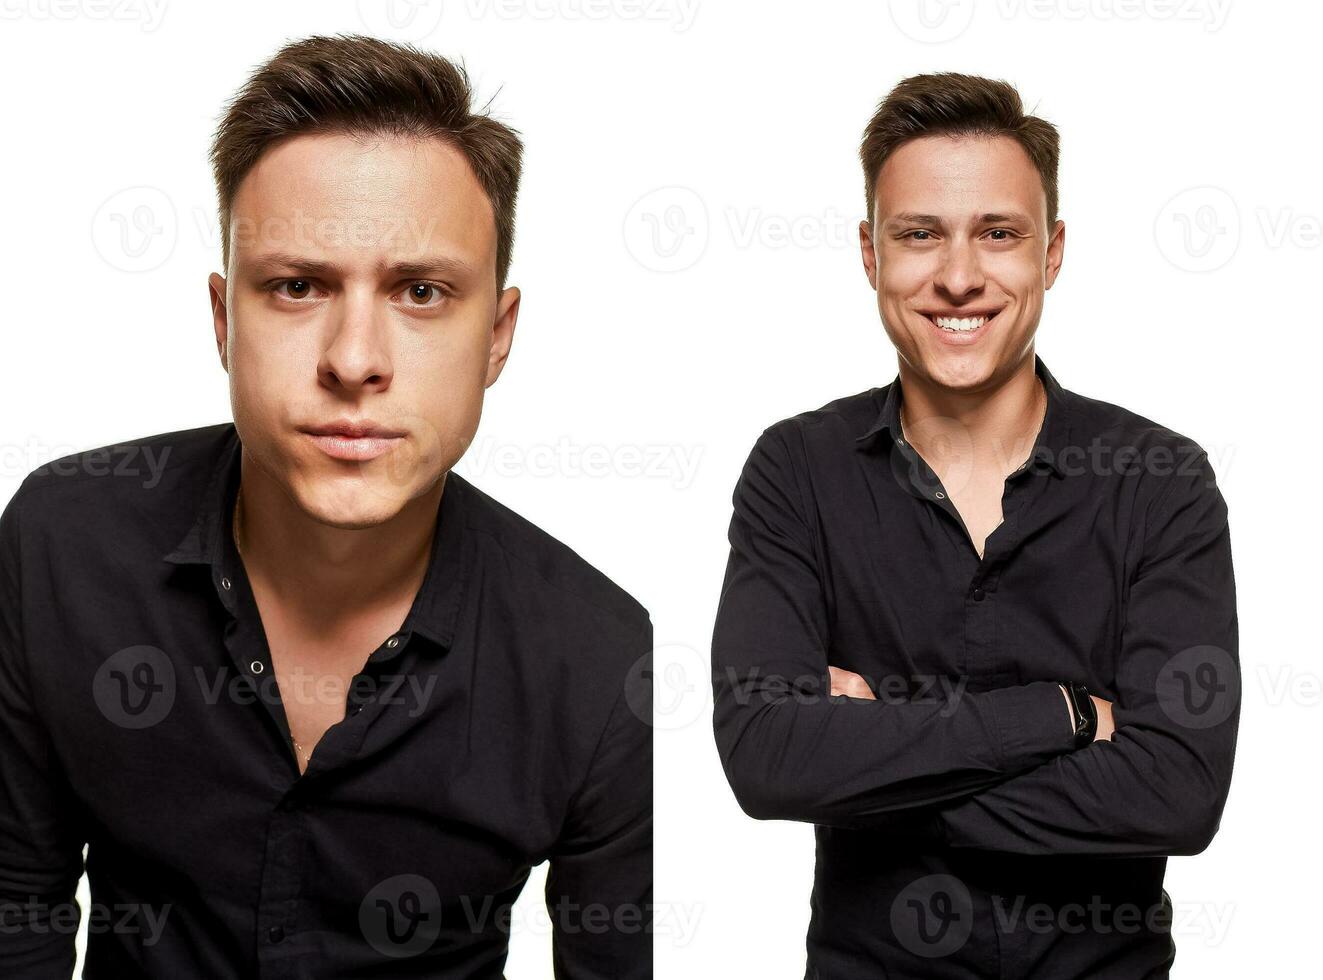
(348, 502)
(959, 371)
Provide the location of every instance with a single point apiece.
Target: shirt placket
(285, 859)
(984, 666)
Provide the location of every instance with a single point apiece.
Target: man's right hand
(1105, 723)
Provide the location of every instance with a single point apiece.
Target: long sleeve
(790, 751)
(1159, 786)
(40, 847)
(599, 885)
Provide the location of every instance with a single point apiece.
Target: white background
(686, 249)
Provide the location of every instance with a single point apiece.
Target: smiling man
(979, 629)
(315, 703)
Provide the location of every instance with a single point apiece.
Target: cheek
(904, 274)
(266, 370)
(254, 370)
(453, 353)
(448, 380)
(267, 345)
(1020, 273)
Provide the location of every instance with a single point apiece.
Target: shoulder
(99, 489)
(550, 577)
(1111, 425)
(837, 423)
(1126, 441)
(140, 465)
(1165, 470)
(800, 442)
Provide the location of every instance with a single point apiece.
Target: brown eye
(420, 292)
(296, 288)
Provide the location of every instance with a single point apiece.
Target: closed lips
(352, 431)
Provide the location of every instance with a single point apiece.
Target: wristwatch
(1084, 711)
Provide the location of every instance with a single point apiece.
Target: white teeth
(960, 324)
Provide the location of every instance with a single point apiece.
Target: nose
(960, 273)
(357, 355)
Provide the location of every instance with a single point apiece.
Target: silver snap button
(225, 584)
(940, 495)
(393, 642)
(900, 442)
(257, 666)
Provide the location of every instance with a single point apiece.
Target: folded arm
(792, 752)
(1158, 787)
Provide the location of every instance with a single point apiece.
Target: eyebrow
(991, 217)
(435, 265)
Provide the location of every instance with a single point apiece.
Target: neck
(992, 428)
(330, 571)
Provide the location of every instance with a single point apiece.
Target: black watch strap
(1085, 711)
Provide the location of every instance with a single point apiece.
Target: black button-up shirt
(959, 832)
(505, 722)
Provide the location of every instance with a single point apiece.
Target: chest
(990, 583)
(315, 660)
(979, 504)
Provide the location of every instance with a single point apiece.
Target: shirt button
(257, 666)
(978, 595)
(940, 495)
(275, 933)
(225, 584)
(393, 642)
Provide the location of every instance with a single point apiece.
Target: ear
(507, 312)
(220, 317)
(867, 253)
(1056, 251)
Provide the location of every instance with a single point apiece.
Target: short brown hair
(951, 104)
(366, 86)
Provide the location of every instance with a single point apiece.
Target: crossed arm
(996, 769)
(846, 683)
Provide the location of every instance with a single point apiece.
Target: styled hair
(365, 86)
(951, 104)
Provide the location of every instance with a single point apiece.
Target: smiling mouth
(961, 324)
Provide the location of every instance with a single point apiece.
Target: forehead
(338, 197)
(958, 176)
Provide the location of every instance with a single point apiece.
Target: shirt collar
(435, 610)
(1053, 436)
